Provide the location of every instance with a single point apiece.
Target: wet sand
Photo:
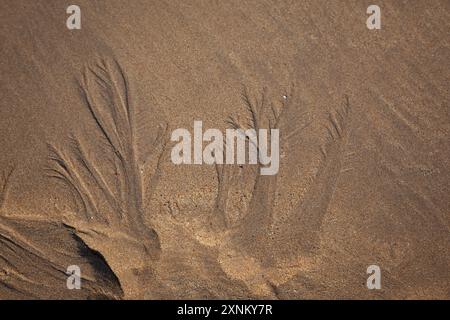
(86, 176)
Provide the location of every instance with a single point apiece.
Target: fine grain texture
(86, 176)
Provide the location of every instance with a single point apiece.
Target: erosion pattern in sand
(86, 177)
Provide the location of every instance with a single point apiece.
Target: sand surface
(86, 176)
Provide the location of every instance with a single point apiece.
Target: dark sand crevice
(35, 255)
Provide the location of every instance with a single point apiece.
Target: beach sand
(86, 176)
